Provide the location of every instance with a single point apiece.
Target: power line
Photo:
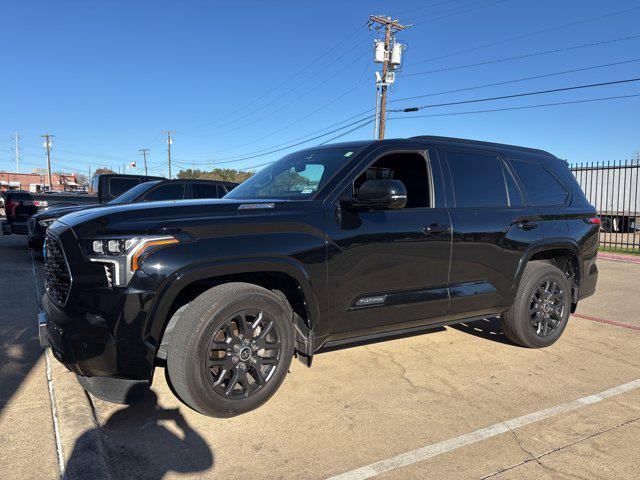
(518, 57)
(322, 83)
(528, 94)
(456, 11)
(280, 85)
(507, 82)
(571, 102)
(286, 147)
(529, 34)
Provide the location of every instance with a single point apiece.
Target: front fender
(180, 279)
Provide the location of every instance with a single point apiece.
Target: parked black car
(331, 245)
(20, 205)
(152, 190)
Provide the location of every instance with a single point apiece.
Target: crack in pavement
(537, 458)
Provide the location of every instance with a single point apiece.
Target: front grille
(57, 278)
(32, 225)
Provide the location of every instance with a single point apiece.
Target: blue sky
(234, 78)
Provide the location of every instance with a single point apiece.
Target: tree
(224, 174)
(83, 180)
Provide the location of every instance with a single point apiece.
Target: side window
(541, 186)
(117, 186)
(515, 195)
(207, 190)
(478, 179)
(169, 191)
(409, 168)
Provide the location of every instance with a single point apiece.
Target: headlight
(121, 257)
(45, 223)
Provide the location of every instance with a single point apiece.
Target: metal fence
(612, 187)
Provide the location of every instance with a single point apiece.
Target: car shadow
(141, 441)
(487, 328)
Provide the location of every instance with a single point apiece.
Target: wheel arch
(552, 251)
(284, 275)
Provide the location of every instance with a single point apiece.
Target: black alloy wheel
(547, 308)
(541, 307)
(230, 349)
(243, 354)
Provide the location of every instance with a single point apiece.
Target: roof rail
(479, 142)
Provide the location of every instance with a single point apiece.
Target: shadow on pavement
(143, 441)
(19, 346)
(487, 328)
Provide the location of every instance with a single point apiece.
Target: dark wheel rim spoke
(546, 308)
(243, 354)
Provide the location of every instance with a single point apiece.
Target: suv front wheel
(541, 309)
(230, 350)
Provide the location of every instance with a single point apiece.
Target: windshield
(133, 193)
(297, 176)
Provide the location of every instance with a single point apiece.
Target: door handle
(526, 225)
(436, 228)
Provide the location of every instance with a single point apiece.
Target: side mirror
(381, 194)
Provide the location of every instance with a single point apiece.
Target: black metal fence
(612, 187)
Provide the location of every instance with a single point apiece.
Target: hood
(157, 217)
(57, 212)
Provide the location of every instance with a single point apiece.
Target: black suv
(149, 191)
(327, 246)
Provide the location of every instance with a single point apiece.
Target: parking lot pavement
(616, 298)
(27, 443)
(439, 399)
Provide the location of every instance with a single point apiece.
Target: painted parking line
(606, 321)
(435, 449)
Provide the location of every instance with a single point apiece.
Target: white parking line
(435, 449)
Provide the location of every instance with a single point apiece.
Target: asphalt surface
(460, 402)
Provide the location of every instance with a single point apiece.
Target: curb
(619, 257)
(79, 439)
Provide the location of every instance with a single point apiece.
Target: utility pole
(169, 142)
(144, 152)
(16, 139)
(47, 145)
(390, 58)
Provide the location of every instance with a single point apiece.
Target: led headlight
(121, 257)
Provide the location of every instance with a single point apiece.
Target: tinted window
(133, 193)
(515, 195)
(409, 168)
(478, 180)
(170, 191)
(117, 186)
(541, 186)
(298, 175)
(207, 190)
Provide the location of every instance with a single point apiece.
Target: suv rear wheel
(230, 350)
(540, 311)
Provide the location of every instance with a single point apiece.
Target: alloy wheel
(546, 308)
(243, 354)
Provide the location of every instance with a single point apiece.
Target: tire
(524, 322)
(231, 349)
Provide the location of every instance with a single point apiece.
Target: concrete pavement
(375, 403)
(27, 442)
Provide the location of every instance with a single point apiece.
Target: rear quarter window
(117, 186)
(541, 186)
(478, 179)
